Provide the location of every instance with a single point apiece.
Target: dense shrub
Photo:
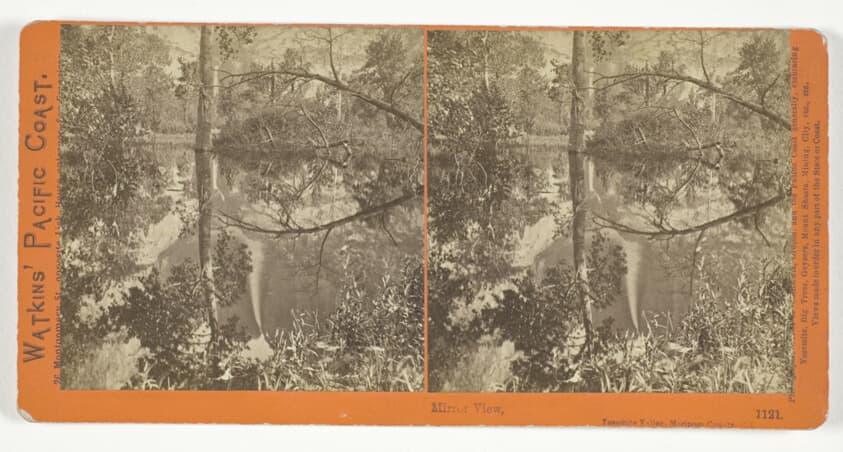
(157, 338)
(739, 340)
(372, 341)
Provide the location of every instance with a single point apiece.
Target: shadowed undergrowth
(740, 342)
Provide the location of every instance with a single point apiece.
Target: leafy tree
(677, 143)
(111, 186)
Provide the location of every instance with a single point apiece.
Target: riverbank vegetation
(639, 240)
(241, 208)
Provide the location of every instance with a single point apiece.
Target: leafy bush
(372, 341)
(169, 318)
(544, 319)
(109, 364)
(738, 340)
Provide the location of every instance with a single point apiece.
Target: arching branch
(306, 75)
(663, 232)
(752, 106)
(230, 220)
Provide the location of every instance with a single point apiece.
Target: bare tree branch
(687, 181)
(702, 57)
(664, 232)
(386, 229)
(315, 126)
(300, 191)
(758, 228)
(401, 82)
(331, 60)
(763, 95)
(688, 128)
(230, 220)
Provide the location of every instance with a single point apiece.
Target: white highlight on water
(256, 250)
(633, 250)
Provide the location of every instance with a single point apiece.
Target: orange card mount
(423, 225)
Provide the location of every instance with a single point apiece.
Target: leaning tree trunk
(205, 163)
(577, 176)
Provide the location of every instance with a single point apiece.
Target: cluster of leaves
(229, 39)
(448, 338)
(603, 43)
(763, 74)
(464, 64)
(478, 179)
(392, 71)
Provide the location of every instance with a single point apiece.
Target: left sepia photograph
(241, 208)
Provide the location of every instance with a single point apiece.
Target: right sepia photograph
(609, 211)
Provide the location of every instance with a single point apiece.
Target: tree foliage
(321, 139)
(111, 184)
(688, 145)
